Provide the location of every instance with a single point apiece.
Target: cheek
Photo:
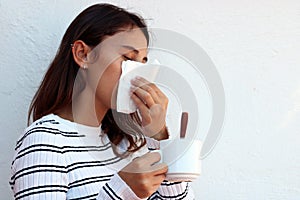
(106, 89)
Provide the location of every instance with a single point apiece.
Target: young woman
(78, 146)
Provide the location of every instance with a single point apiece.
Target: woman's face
(105, 71)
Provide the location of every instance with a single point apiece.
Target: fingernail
(134, 80)
(132, 88)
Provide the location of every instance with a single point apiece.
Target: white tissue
(130, 70)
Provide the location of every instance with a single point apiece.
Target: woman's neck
(84, 110)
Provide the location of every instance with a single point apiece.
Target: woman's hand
(152, 104)
(143, 176)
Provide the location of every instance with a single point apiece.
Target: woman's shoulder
(50, 121)
(50, 129)
(52, 125)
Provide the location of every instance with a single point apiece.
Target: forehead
(127, 37)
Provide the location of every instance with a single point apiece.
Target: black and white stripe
(52, 161)
(37, 169)
(179, 196)
(90, 180)
(52, 121)
(86, 197)
(56, 149)
(87, 164)
(111, 192)
(47, 130)
(40, 190)
(166, 183)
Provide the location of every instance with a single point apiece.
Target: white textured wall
(255, 46)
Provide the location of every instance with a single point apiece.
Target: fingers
(140, 81)
(159, 178)
(151, 103)
(160, 169)
(147, 164)
(151, 158)
(142, 183)
(149, 87)
(147, 91)
(144, 110)
(145, 98)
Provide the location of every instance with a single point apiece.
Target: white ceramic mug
(182, 157)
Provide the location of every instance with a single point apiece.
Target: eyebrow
(135, 51)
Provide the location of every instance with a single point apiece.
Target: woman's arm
(117, 189)
(40, 170)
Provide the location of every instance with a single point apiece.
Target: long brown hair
(56, 89)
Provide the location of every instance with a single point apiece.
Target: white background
(255, 46)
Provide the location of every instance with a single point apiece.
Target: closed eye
(126, 58)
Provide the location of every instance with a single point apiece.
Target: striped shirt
(59, 159)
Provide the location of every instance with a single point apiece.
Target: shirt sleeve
(176, 190)
(152, 144)
(116, 189)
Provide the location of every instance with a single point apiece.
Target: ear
(80, 51)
